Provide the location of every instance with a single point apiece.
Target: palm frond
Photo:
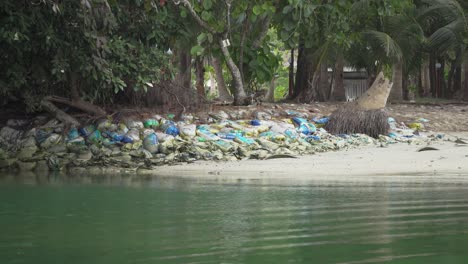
(447, 37)
(386, 43)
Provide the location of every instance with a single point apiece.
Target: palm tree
(445, 27)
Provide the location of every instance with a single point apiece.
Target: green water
(130, 219)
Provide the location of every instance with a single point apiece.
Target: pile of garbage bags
(161, 140)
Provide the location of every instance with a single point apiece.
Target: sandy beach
(450, 161)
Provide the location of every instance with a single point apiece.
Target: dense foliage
(96, 47)
(99, 50)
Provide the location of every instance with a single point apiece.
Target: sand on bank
(450, 160)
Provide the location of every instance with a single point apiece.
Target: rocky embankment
(130, 143)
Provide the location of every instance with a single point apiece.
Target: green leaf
(257, 10)
(183, 13)
(201, 38)
(207, 4)
(206, 15)
(210, 37)
(196, 50)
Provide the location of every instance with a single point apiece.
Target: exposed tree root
(59, 114)
(81, 105)
(350, 119)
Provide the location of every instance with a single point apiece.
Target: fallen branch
(81, 105)
(59, 114)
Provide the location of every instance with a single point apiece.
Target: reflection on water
(134, 219)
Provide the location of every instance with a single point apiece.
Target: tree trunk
(339, 93)
(405, 82)
(75, 98)
(441, 91)
(304, 73)
(291, 76)
(223, 93)
(451, 76)
(433, 74)
(74, 87)
(200, 77)
(396, 94)
(270, 96)
(426, 81)
(184, 77)
(376, 96)
(239, 92)
(324, 85)
(465, 69)
(457, 80)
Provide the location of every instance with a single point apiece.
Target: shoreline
(396, 160)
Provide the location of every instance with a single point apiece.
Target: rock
(26, 153)
(42, 166)
(84, 155)
(54, 163)
(26, 166)
(17, 122)
(7, 163)
(56, 149)
(30, 141)
(124, 158)
(9, 137)
(52, 140)
(3, 154)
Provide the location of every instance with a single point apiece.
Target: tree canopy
(102, 51)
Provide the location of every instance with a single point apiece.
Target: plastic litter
(42, 135)
(170, 128)
(95, 137)
(224, 146)
(206, 135)
(244, 140)
(104, 125)
(134, 134)
(321, 121)
(188, 130)
(151, 123)
(255, 122)
(416, 126)
(150, 143)
(113, 136)
(132, 124)
(73, 134)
